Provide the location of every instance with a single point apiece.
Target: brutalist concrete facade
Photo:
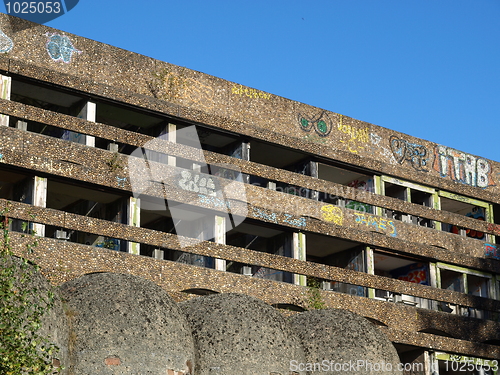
(396, 229)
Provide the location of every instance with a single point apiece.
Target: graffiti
(414, 273)
(261, 214)
(375, 140)
(214, 201)
(121, 181)
(251, 93)
(297, 222)
(333, 214)
(60, 48)
(322, 123)
(363, 186)
(491, 251)
(462, 167)
(6, 43)
(197, 183)
(274, 218)
(495, 228)
(378, 223)
(358, 137)
(413, 153)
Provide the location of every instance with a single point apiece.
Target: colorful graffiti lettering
(197, 183)
(322, 123)
(413, 153)
(251, 93)
(214, 201)
(121, 181)
(333, 214)
(379, 223)
(414, 273)
(463, 168)
(60, 48)
(261, 214)
(297, 222)
(358, 137)
(274, 218)
(6, 43)
(491, 251)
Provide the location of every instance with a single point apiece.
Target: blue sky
(423, 67)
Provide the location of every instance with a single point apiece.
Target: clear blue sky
(428, 68)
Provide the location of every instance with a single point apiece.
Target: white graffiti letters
(462, 167)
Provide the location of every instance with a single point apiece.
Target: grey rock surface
(238, 334)
(337, 339)
(123, 324)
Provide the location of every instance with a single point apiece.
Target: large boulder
(339, 341)
(123, 324)
(238, 334)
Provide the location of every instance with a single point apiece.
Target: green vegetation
(315, 300)
(23, 350)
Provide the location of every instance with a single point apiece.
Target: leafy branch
(23, 350)
(314, 300)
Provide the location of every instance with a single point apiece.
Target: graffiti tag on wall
(333, 214)
(197, 183)
(413, 153)
(251, 93)
(378, 223)
(321, 124)
(6, 43)
(276, 218)
(375, 140)
(60, 48)
(491, 251)
(463, 168)
(358, 137)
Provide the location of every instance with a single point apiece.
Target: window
(464, 280)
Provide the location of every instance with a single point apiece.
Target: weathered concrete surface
(344, 338)
(238, 334)
(123, 324)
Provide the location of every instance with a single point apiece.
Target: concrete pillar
(88, 113)
(5, 87)
(172, 137)
(32, 191)
(134, 219)
(299, 252)
(220, 237)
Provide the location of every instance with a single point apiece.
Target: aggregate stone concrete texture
(343, 337)
(124, 324)
(239, 334)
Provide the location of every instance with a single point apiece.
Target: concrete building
(99, 154)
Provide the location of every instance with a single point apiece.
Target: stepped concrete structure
(128, 165)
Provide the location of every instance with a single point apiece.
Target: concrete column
(220, 237)
(5, 87)
(172, 137)
(39, 200)
(299, 252)
(134, 219)
(88, 113)
(370, 268)
(32, 191)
